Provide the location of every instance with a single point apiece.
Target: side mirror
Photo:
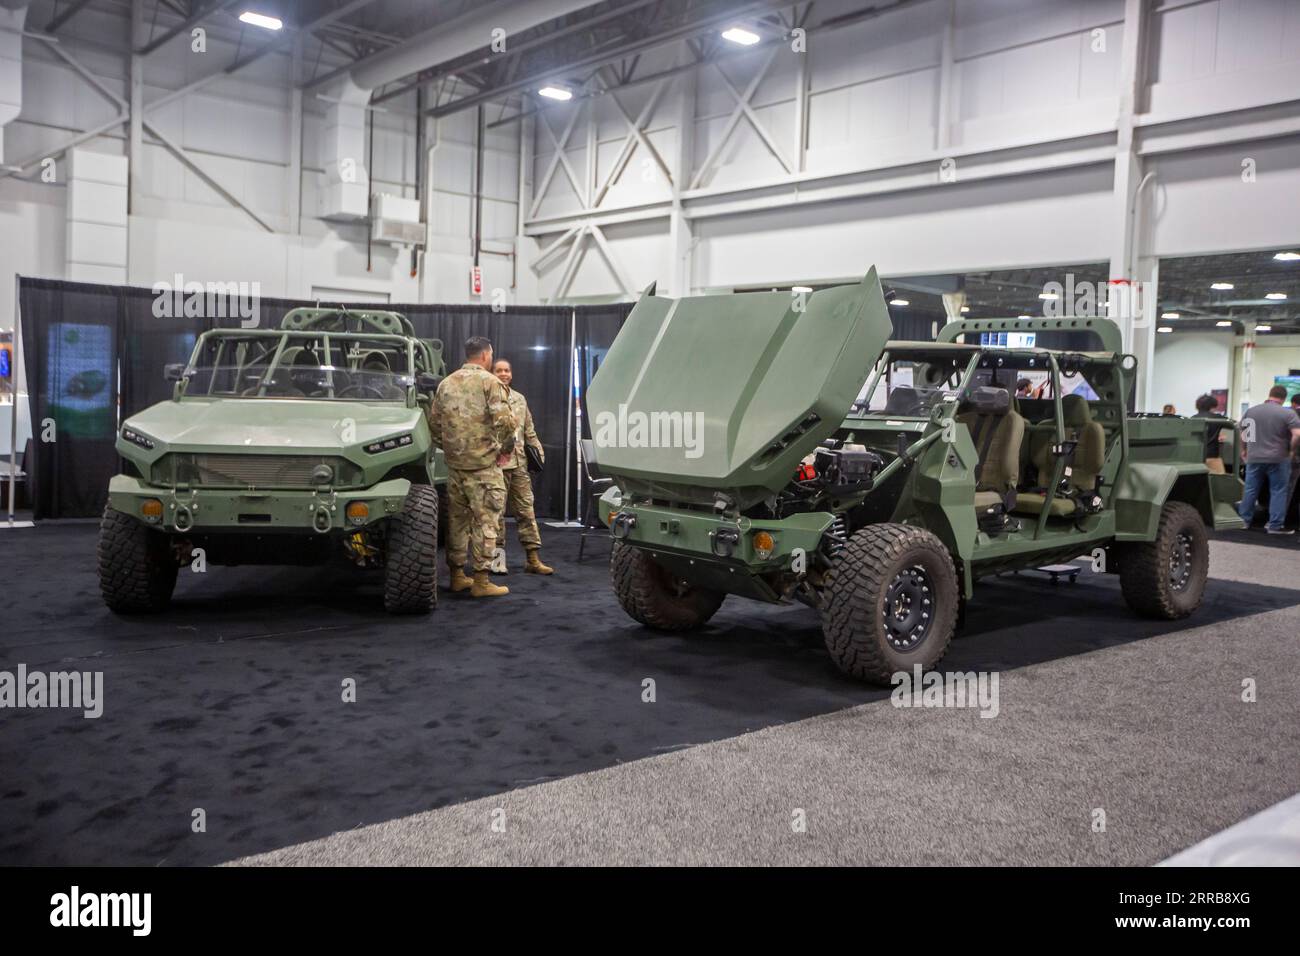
(174, 373)
(428, 382)
(986, 400)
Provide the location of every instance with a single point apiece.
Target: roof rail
(1111, 338)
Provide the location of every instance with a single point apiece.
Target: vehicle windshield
(911, 387)
(301, 366)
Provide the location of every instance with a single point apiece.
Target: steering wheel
(361, 389)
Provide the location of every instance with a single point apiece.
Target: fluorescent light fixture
(260, 20)
(800, 288)
(1048, 295)
(1224, 325)
(741, 35)
(1164, 328)
(1170, 315)
(555, 93)
(1024, 317)
(1263, 328)
(1275, 295)
(1221, 286)
(965, 309)
(899, 302)
(1287, 256)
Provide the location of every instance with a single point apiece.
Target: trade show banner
(96, 352)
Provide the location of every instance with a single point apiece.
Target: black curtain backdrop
(92, 350)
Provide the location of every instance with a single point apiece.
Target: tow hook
(723, 541)
(621, 525)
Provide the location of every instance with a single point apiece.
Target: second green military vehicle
(290, 446)
(779, 447)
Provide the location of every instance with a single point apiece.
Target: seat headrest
(1075, 411)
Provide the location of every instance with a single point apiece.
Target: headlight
(135, 438)
(388, 444)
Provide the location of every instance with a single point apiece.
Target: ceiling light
(1221, 286)
(1287, 256)
(800, 288)
(741, 35)
(1263, 328)
(1048, 295)
(965, 309)
(1164, 328)
(555, 93)
(1275, 295)
(1024, 316)
(1224, 325)
(1170, 315)
(899, 302)
(260, 20)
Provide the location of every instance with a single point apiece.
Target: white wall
(1189, 365)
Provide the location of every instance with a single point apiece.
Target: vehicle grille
(251, 471)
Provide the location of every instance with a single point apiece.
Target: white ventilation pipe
(13, 14)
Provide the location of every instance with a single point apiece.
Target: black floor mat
(230, 702)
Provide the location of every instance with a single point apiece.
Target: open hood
(726, 393)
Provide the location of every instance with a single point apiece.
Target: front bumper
(703, 538)
(199, 510)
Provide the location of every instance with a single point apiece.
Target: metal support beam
(295, 139)
(180, 153)
(135, 151)
(742, 109)
(558, 158)
(66, 15)
(183, 27)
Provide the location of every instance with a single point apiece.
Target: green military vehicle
(301, 445)
(748, 458)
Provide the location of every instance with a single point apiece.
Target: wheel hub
(1181, 562)
(908, 608)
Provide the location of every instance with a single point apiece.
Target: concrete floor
(1153, 732)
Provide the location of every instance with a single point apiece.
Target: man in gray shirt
(1270, 435)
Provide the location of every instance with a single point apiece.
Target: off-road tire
(137, 569)
(411, 554)
(1146, 569)
(853, 610)
(651, 596)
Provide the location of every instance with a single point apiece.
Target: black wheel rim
(1181, 563)
(909, 608)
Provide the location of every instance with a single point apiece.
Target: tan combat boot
(534, 565)
(482, 587)
(459, 582)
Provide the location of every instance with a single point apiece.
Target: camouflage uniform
(519, 484)
(470, 420)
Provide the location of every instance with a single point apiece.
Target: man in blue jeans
(1270, 435)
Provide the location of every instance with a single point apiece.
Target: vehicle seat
(1085, 466)
(998, 470)
(903, 400)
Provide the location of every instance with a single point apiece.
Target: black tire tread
(411, 559)
(1144, 566)
(137, 573)
(639, 586)
(855, 585)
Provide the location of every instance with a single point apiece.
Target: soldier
(470, 420)
(519, 485)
